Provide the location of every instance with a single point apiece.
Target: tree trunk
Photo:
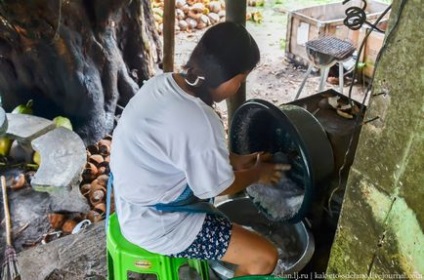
(76, 58)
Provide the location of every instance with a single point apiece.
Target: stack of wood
(191, 14)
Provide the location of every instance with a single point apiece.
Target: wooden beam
(168, 35)
(235, 11)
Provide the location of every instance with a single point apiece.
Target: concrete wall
(380, 233)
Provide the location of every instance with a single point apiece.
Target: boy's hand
(271, 173)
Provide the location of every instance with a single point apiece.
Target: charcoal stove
(324, 53)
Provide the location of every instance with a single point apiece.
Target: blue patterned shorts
(211, 242)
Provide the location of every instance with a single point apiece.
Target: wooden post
(235, 11)
(168, 35)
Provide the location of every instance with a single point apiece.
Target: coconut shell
(96, 159)
(56, 220)
(85, 189)
(101, 207)
(108, 137)
(104, 149)
(103, 168)
(96, 185)
(102, 180)
(107, 158)
(97, 197)
(68, 226)
(93, 149)
(90, 172)
(94, 216)
(106, 142)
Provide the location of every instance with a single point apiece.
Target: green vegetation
(283, 44)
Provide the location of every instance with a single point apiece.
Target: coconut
(198, 7)
(183, 25)
(215, 6)
(61, 121)
(179, 14)
(201, 25)
(194, 14)
(180, 3)
(213, 17)
(158, 18)
(192, 23)
(205, 19)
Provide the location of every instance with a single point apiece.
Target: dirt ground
(275, 79)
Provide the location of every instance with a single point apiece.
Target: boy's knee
(265, 264)
(272, 261)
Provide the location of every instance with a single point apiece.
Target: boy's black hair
(224, 51)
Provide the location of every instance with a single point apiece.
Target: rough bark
(76, 58)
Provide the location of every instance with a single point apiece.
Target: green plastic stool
(124, 256)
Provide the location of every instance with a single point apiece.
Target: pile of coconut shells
(191, 15)
(93, 187)
(95, 177)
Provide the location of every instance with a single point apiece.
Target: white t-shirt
(164, 140)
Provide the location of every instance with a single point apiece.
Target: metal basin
(294, 241)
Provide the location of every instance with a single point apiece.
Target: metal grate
(332, 46)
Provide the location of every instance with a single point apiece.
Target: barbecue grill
(324, 53)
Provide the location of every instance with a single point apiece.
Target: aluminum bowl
(295, 243)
